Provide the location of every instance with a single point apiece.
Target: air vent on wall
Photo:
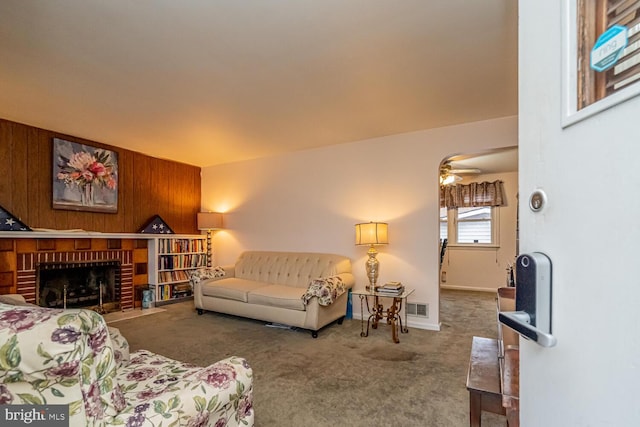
(418, 309)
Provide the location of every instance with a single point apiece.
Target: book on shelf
(181, 294)
(169, 246)
(173, 291)
(169, 262)
(162, 293)
(173, 276)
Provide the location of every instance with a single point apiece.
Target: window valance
(472, 195)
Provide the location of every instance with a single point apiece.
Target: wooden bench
(493, 377)
(511, 385)
(483, 380)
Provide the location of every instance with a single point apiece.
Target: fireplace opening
(94, 285)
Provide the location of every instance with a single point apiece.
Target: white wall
(310, 201)
(485, 269)
(589, 230)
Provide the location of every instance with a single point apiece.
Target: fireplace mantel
(61, 234)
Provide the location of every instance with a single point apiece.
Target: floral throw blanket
(200, 274)
(327, 290)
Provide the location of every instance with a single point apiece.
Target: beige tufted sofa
(269, 286)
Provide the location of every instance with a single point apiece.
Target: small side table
(377, 312)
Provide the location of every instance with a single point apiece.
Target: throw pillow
(326, 289)
(196, 276)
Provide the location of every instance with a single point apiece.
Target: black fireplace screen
(79, 285)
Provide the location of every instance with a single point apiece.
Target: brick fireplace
(94, 284)
(35, 265)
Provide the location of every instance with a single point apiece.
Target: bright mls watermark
(34, 415)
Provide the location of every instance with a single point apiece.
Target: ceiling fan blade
(465, 171)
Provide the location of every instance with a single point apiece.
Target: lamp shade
(372, 233)
(209, 220)
(449, 179)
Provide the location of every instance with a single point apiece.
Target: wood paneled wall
(147, 186)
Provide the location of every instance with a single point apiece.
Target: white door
(590, 172)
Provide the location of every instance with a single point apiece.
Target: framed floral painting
(85, 178)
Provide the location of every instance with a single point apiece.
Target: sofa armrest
(53, 356)
(327, 290)
(162, 390)
(348, 279)
(13, 299)
(229, 271)
(120, 346)
(206, 275)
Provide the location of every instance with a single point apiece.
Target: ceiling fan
(449, 175)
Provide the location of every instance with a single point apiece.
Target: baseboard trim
(468, 288)
(412, 322)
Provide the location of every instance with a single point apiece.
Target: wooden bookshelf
(171, 260)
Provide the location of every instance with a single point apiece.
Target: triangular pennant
(156, 225)
(8, 222)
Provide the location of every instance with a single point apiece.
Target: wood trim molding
(82, 244)
(46, 244)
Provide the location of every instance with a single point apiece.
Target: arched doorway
(481, 240)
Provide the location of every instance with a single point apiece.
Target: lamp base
(372, 266)
(209, 255)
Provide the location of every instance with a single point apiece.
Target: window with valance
(467, 214)
(474, 194)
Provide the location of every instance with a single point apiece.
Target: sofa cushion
(289, 297)
(164, 392)
(230, 288)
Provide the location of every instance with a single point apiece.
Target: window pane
(443, 223)
(474, 213)
(474, 225)
(474, 232)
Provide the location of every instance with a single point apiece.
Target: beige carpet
(118, 316)
(338, 379)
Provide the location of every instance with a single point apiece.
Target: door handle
(520, 321)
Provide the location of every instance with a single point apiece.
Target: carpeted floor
(338, 379)
(118, 316)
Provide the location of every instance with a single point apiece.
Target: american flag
(8, 222)
(156, 225)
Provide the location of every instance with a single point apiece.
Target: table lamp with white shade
(372, 233)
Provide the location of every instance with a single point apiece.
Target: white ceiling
(488, 162)
(206, 82)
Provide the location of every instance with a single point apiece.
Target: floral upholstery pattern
(196, 276)
(52, 356)
(159, 389)
(120, 346)
(327, 290)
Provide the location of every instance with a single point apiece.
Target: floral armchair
(50, 356)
